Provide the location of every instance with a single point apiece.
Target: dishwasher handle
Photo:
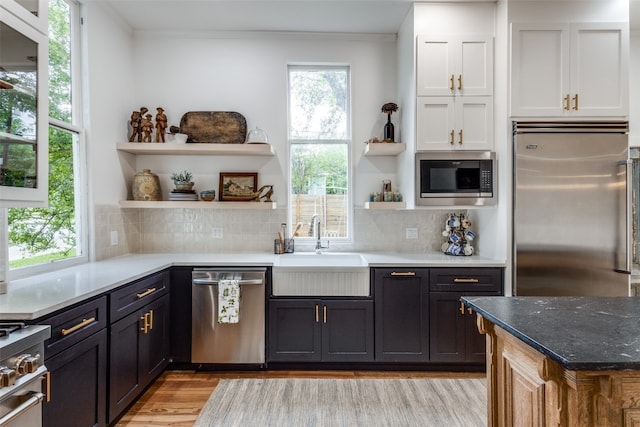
(214, 282)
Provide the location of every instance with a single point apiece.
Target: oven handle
(35, 399)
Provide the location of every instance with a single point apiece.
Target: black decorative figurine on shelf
(389, 108)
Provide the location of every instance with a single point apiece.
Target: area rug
(346, 402)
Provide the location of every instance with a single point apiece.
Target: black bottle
(388, 129)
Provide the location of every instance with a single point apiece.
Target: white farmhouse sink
(324, 260)
(326, 274)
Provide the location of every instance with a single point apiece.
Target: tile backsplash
(181, 230)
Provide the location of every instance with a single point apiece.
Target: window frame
(80, 166)
(304, 241)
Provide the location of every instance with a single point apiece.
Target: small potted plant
(182, 181)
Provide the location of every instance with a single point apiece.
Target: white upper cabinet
(454, 123)
(454, 65)
(24, 62)
(569, 70)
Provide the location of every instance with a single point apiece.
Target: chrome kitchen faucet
(315, 223)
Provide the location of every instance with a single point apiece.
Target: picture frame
(237, 186)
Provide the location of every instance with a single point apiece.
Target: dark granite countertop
(579, 333)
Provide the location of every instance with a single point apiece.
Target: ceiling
(342, 16)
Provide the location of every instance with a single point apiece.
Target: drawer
(466, 280)
(131, 297)
(75, 324)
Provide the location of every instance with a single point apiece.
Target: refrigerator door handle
(626, 234)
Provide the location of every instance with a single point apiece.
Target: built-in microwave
(456, 178)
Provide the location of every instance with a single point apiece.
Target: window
(319, 151)
(39, 238)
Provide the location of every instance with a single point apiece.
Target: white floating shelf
(385, 205)
(197, 149)
(384, 149)
(196, 204)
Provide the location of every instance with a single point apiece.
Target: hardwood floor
(177, 397)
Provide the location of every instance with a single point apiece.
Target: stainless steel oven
(22, 374)
(452, 178)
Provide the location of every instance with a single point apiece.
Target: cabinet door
(474, 123)
(125, 377)
(446, 327)
(294, 330)
(24, 136)
(435, 65)
(155, 345)
(347, 331)
(453, 335)
(78, 384)
(401, 315)
(539, 64)
(435, 123)
(454, 65)
(475, 66)
(599, 69)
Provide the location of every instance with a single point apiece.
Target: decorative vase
(146, 186)
(388, 130)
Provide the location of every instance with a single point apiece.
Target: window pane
(41, 235)
(318, 103)
(319, 177)
(59, 60)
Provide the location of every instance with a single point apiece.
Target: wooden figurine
(136, 118)
(161, 124)
(147, 128)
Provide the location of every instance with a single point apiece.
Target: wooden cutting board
(221, 127)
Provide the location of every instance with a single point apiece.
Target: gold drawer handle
(457, 280)
(147, 292)
(403, 273)
(82, 324)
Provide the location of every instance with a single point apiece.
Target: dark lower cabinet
(76, 357)
(454, 335)
(320, 330)
(402, 314)
(78, 378)
(139, 351)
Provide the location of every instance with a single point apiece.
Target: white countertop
(37, 296)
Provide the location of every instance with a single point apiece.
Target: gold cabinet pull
(403, 273)
(470, 310)
(460, 137)
(465, 280)
(317, 315)
(461, 309)
(451, 137)
(47, 386)
(575, 102)
(324, 314)
(451, 82)
(82, 324)
(567, 102)
(144, 323)
(145, 293)
(150, 319)
(460, 82)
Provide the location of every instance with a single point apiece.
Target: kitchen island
(561, 361)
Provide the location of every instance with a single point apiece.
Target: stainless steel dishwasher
(242, 342)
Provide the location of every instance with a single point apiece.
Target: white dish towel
(228, 301)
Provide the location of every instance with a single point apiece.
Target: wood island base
(527, 388)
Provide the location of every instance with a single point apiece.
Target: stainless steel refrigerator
(571, 212)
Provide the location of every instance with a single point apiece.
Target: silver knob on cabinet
(7, 376)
